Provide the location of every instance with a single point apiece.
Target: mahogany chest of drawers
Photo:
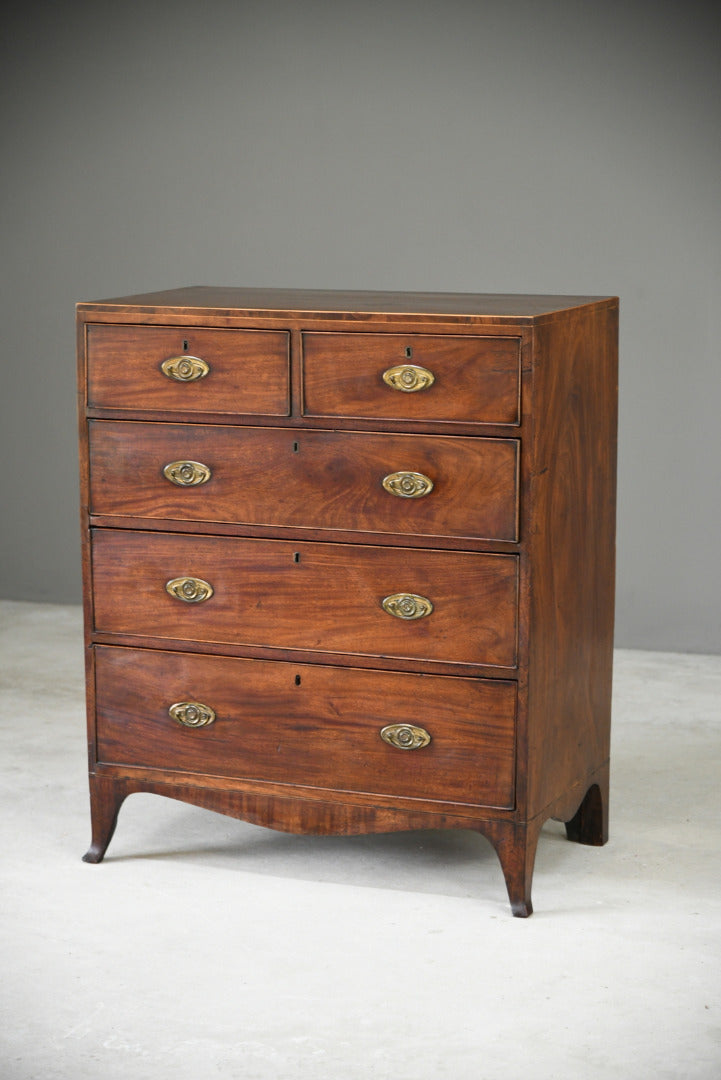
(349, 560)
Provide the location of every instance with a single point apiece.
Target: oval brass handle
(408, 485)
(192, 590)
(406, 605)
(409, 378)
(192, 713)
(187, 473)
(185, 368)
(405, 736)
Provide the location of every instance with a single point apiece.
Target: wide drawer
(183, 369)
(412, 377)
(305, 479)
(324, 598)
(307, 725)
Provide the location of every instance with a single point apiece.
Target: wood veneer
(476, 379)
(510, 675)
(311, 479)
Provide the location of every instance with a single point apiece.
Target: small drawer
(350, 481)
(183, 369)
(307, 725)
(328, 598)
(470, 380)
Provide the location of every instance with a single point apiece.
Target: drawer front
(306, 479)
(244, 372)
(474, 380)
(309, 596)
(307, 725)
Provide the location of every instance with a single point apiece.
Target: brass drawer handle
(187, 473)
(405, 736)
(408, 606)
(408, 485)
(192, 590)
(409, 378)
(185, 368)
(192, 713)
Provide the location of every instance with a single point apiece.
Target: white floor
(205, 947)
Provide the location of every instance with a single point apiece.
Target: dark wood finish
(572, 492)
(249, 371)
(308, 596)
(589, 825)
(476, 378)
(514, 840)
(312, 479)
(515, 843)
(106, 798)
(511, 674)
(303, 305)
(277, 722)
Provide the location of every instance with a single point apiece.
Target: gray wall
(522, 147)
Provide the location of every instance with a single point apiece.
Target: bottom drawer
(307, 725)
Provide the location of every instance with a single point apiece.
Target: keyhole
(296, 557)
(409, 352)
(185, 344)
(297, 680)
(295, 447)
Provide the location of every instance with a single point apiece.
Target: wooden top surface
(221, 300)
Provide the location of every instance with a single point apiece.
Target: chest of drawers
(349, 560)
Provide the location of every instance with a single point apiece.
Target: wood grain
(476, 378)
(514, 547)
(282, 722)
(249, 369)
(326, 600)
(351, 305)
(571, 528)
(311, 479)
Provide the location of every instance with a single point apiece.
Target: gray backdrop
(499, 147)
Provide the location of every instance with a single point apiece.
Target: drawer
(309, 596)
(475, 380)
(306, 479)
(307, 725)
(244, 372)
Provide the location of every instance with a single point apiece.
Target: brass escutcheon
(408, 606)
(408, 378)
(405, 736)
(185, 368)
(408, 485)
(190, 589)
(187, 473)
(192, 713)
